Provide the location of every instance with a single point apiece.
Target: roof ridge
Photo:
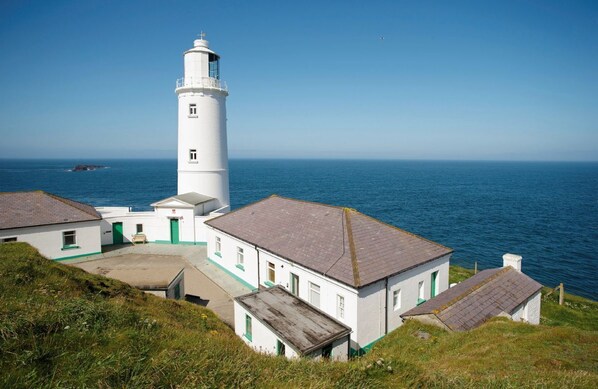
(402, 230)
(354, 264)
(310, 202)
(472, 289)
(344, 245)
(75, 205)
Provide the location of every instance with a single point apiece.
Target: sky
(454, 80)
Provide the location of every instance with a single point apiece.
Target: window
(271, 272)
(240, 256)
(314, 294)
(295, 284)
(218, 247)
(192, 154)
(248, 327)
(340, 307)
(139, 228)
(11, 239)
(327, 351)
(396, 299)
(192, 109)
(69, 239)
(280, 348)
(420, 295)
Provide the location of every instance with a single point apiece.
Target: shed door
(174, 231)
(117, 233)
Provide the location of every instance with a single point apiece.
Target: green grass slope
(63, 327)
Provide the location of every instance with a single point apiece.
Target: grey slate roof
(340, 243)
(301, 325)
(479, 298)
(191, 198)
(38, 208)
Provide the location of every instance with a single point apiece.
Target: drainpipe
(258, 266)
(386, 307)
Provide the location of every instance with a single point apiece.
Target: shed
(275, 321)
(490, 293)
(167, 282)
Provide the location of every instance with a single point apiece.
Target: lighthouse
(202, 146)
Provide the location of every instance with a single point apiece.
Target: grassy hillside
(62, 327)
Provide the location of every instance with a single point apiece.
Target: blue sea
(547, 212)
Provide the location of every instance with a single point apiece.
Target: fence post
(475, 267)
(561, 294)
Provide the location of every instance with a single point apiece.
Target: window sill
(421, 301)
(239, 266)
(192, 161)
(218, 254)
(268, 284)
(192, 116)
(248, 337)
(71, 247)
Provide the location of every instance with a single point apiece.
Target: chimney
(512, 260)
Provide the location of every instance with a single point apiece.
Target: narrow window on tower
(193, 110)
(192, 154)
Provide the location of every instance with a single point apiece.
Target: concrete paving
(205, 282)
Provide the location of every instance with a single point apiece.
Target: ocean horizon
(546, 211)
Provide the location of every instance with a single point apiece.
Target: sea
(546, 212)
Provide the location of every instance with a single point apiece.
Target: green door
(174, 231)
(433, 291)
(117, 233)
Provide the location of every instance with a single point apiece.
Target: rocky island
(83, 168)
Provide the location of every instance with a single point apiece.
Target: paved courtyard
(205, 283)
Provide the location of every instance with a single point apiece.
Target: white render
(529, 311)
(202, 128)
(368, 311)
(48, 239)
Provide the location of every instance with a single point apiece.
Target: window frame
(69, 234)
(248, 328)
(313, 291)
(396, 299)
(139, 228)
(340, 306)
(192, 110)
(240, 258)
(218, 246)
(192, 155)
(271, 272)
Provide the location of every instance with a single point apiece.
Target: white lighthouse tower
(202, 148)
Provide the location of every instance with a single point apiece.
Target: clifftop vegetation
(62, 327)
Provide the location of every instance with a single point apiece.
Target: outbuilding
(502, 291)
(58, 227)
(167, 282)
(274, 321)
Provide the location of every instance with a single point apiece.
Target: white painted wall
(533, 307)
(408, 283)
(370, 319)
(263, 339)
(49, 241)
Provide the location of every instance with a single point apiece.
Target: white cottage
(502, 291)
(362, 272)
(58, 227)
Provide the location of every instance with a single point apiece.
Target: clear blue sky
(450, 80)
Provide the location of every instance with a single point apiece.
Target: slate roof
(340, 243)
(300, 324)
(191, 198)
(38, 208)
(479, 298)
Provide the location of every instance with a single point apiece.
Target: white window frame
(340, 306)
(314, 289)
(271, 271)
(217, 245)
(192, 110)
(240, 256)
(69, 234)
(396, 299)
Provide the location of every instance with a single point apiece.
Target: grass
(63, 327)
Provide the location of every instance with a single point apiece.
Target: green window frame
(248, 328)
